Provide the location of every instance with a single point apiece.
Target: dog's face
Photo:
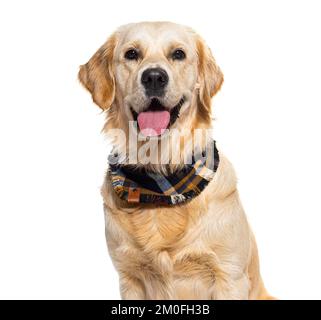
(156, 69)
(157, 73)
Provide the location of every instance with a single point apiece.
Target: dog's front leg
(152, 288)
(131, 288)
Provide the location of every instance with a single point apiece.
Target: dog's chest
(178, 251)
(153, 230)
(164, 248)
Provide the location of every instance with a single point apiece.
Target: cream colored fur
(203, 249)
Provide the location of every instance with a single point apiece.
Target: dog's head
(158, 73)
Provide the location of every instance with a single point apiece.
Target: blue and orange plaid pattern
(141, 186)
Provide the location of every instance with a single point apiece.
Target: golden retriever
(202, 248)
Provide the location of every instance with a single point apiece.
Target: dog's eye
(178, 54)
(131, 54)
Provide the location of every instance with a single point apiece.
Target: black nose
(154, 80)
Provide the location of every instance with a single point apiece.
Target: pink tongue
(153, 123)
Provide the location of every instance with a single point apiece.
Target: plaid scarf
(141, 186)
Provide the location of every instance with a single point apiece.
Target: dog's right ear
(97, 75)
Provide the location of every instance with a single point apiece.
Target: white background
(53, 157)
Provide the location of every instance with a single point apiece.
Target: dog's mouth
(156, 118)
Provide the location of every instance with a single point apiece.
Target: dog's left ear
(97, 75)
(210, 77)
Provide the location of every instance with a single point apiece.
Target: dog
(196, 244)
